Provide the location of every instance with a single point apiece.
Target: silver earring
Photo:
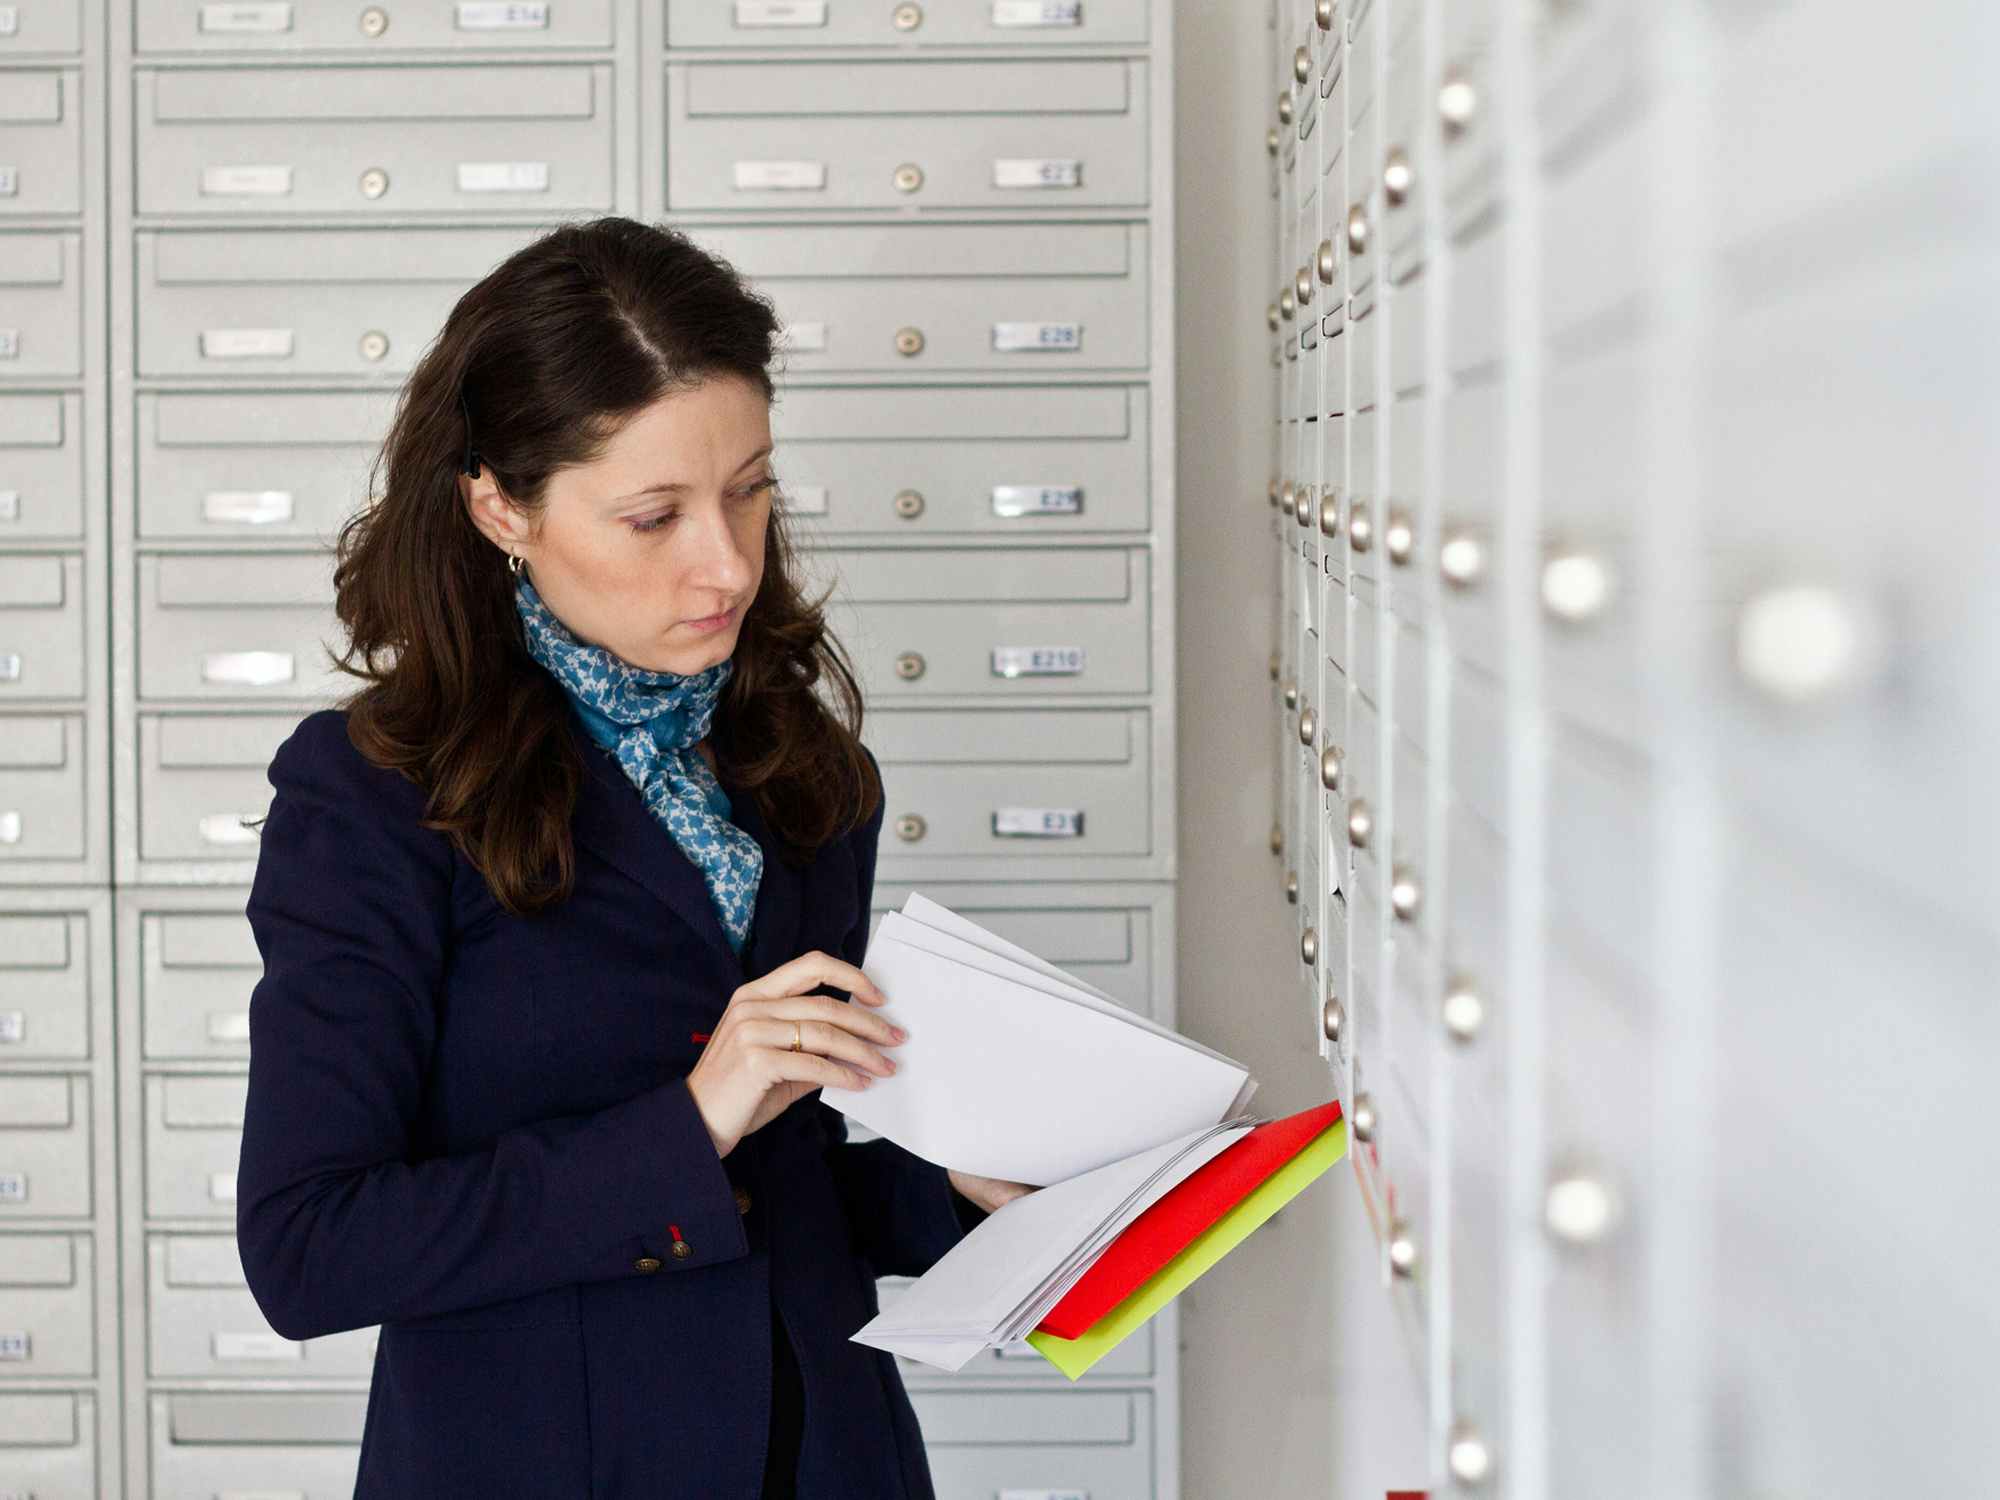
(514, 563)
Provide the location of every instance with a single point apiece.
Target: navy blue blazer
(475, 1130)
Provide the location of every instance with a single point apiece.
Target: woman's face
(655, 551)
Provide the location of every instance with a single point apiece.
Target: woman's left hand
(988, 1192)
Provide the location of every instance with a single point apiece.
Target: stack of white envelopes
(1014, 1069)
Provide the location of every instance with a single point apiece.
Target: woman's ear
(491, 511)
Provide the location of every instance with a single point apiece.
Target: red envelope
(1169, 1225)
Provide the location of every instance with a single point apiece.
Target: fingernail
(900, 1033)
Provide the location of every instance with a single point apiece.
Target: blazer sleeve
(904, 1210)
(338, 1223)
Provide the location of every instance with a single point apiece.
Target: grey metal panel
(51, 1450)
(236, 626)
(46, 1134)
(41, 464)
(202, 1321)
(344, 302)
(47, 1306)
(41, 142)
(854, 453)
(844, 291)
(41, 304)
(42, 777)
(815, 24)
(45, 984)
(205, 1443)
(955, 770)
(296, 141)
(201, 779)
(193, 1140)
(305, 27)
(290, 464)
(35, 27)
(198, 968)
(1078, 126)
(954, 609)
(42, 606)
(1097, 1442)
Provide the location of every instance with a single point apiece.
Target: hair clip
(471, 455)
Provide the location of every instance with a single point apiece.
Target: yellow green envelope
(1074, 1356)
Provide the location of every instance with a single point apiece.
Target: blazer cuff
(653, 1181)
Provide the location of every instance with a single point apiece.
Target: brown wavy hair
(553, 351)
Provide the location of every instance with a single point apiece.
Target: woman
(552, 912)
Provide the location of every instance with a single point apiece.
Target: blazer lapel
(611, 819)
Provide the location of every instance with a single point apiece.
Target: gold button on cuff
(743, 1200)
(646, 1263)
(682, 1249)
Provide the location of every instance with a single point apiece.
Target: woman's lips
(712, 622)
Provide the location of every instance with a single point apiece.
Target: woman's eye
(651, 523)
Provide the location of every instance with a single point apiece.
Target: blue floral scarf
(650, 721)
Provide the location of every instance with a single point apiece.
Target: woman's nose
(721, 563)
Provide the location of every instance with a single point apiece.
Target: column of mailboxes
(964, 224)
(1383, 184)
(58, 1241)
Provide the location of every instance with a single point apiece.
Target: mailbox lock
(374, 183)
(909, 504)
(910, 666)
(910, 828)
(374, 21)
(909, 177)
(1329, 768)
(1292, 886)
(909, 17)
(374, 344)
(909, 341)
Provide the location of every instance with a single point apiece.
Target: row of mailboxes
(472, 140)
(919, 623)
(189, 963)
(1035, 787)
(205, 1444)
(1028, 460)
(37, 27)
(1024, 297)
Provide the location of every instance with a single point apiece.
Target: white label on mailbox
(1038, 822)
(13, 1187)
(273, 181)
(10, 666)
(1011, 336)
(10, 181)
(222, 1186)
(10, 505)
(10, 343)
(246, 507)
(257, 1346)
(247, 668)
(1037, 13)
(264, 17)
(780, 12)
(1037, 500)
(13, 1025)
(1037, 661)
(10, 20)
(503, 15)
(10, 827)
(227, 828)
(778, 174)
(246, 343)
(1037, 172)
(806, 499)
(796, 336)
(229, 1026)
(13, 1346)
(503, 177)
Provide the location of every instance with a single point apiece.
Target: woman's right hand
(748, 1075)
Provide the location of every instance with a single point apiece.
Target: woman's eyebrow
(670, 487)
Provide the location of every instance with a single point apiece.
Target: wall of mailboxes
(966, 223)
(1628, 758)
